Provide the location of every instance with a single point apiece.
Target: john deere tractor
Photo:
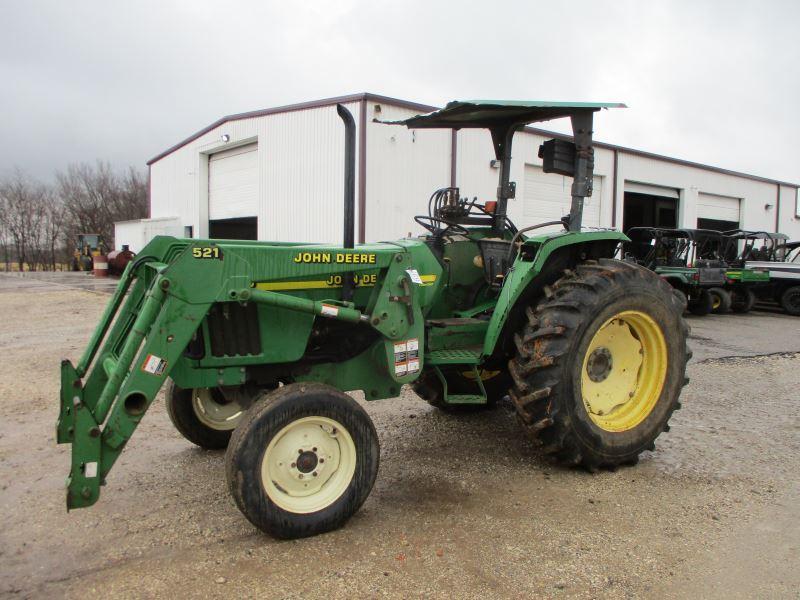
(256, 343)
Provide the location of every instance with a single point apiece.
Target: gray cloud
(714, 82)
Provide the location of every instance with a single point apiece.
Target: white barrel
(100, 266)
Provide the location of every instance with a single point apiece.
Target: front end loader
(257, 342)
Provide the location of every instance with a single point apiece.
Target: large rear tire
(203, 415)
(302, 461)
(600, 364)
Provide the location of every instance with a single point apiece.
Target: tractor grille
(233, 329)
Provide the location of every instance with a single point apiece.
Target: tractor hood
(489, 114)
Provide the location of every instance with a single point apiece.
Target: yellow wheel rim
(308, 465)
(624, 370)
(715, 302)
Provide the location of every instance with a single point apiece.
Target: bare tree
(37, 223)
(5, 235)
(94, 197)
(23, 202)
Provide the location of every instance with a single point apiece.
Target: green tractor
(257, 342)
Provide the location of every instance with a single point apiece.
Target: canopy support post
(584, 166)
(502, 138)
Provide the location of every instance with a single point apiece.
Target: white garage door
(233, 183)
(651, 190)
(719, 208)
(547, 198)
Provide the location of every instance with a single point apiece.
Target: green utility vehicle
(256, 342)
(688, 259)
(745, 279)
(778, 259)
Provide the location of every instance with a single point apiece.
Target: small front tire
(302, 461)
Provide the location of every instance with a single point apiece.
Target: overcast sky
(713, 82)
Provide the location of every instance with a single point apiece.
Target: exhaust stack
(349, 175)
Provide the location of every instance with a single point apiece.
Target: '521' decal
(212, 252)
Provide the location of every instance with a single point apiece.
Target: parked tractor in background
(688, 259)
(257, 342)
(88, 246)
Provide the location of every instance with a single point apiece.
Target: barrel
(100, 267)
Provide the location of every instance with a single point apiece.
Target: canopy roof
(489, 114)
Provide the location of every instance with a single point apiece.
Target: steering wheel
(429, 223)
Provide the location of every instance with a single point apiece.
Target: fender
(523, 272)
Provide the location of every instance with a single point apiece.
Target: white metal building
(277, 174)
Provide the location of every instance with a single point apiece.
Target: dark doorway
(646, 210)
(242, 228)
(717, 224)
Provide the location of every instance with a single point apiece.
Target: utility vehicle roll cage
(768, 251)
(785, 252)
(662, 247)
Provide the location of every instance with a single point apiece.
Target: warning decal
(154, 365)
(414, 275)
(406, 357)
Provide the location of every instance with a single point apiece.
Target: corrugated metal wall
(404, 167)
(476, 177)
(759, 199)
(300, 157)
(301, 175)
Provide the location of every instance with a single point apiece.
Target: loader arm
(162, 304)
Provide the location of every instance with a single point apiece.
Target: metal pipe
(349, 190)
(349, 175)
(318, 308)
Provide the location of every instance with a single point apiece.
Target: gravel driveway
(464, 506)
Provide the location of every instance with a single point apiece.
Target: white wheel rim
(308, 465)
(221, 417)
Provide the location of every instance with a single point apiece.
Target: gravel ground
(464, 506)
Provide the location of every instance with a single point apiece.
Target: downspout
(778, 209)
